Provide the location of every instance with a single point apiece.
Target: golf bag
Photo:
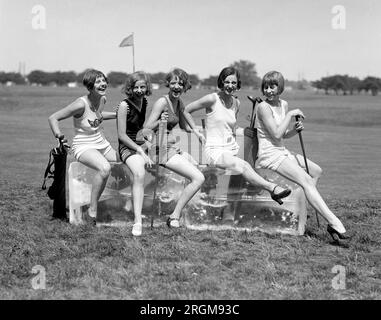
(57, 191)
(250, 135)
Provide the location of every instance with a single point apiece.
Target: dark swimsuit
(134, 124)
(172, 145)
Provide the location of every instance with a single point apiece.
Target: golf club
(305, 162)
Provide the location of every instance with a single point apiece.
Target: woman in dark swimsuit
(130, 118)
(169, 109)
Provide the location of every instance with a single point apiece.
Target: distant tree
(39, 77)
(249, 77)
(210, 82)
(194, 79)
(371, 84)
(158, 78)
(62, 78)
(116, 78)
(322, 84)
(338, 83)
(14, 77)
(353, 83)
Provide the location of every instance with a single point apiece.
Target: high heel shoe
(336, 235)
(278, 196)
(173, 223)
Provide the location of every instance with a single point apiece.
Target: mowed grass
(342, 135)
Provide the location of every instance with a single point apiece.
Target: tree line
(247, 69)
(348, 85)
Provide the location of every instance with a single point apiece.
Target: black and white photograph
(190, 156)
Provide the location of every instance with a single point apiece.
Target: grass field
(342, 135)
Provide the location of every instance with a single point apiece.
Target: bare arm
(107, 115)
(206, 102)
(152, 122)
(276, 131)
(74, 109)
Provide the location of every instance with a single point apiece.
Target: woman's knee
(139, 175)
(105, 169)
(198, 179)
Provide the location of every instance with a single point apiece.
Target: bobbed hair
(225, 72)
(91, 76)
(271, 78)
(132, 78)
(181, 75)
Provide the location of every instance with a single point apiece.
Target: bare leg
(136, 164)
(183, 167)
(239, 166)
(314, 169)
(291, 170)
(95, 160)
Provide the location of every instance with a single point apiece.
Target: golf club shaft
(305, 162)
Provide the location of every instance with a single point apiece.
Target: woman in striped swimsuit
(89, 145)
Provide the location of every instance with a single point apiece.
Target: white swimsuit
(89, 132)
(220, 124)
(271, 151)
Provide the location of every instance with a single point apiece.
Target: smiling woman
(89, 145)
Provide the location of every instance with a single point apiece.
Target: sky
(300, 38)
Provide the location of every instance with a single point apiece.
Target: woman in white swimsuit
(272, 122)
(89, 146)
(221, 148)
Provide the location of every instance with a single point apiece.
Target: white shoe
(137, 229)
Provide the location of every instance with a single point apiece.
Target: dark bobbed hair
(91, 76)
(271, 78)
(132, 79)
(225, 72)
(181, 75)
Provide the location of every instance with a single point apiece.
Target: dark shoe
(336, 235)
(278, 196)
(89, 220)
(173, 223)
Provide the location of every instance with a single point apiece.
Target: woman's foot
(336, 235)
(173, 223)
(278, 196)
(137, 229)
(90, 217)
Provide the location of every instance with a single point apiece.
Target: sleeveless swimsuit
(169, 140)
(271, 151)
(220, 124)
(89, 132)
(134, 124)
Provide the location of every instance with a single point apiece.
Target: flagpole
(133, 53)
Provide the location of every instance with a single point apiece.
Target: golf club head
(255, 100)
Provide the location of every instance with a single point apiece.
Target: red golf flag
(129, 41)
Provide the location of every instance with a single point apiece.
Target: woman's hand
(199, 135)
(146, 158)
(299, 126)
(164, 116)
(296, 112)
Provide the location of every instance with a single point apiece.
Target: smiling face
(140, 89)
(100, 86)
(176, 87)
(270, 91)
(230, 85)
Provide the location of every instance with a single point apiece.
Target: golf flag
(129, 41)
